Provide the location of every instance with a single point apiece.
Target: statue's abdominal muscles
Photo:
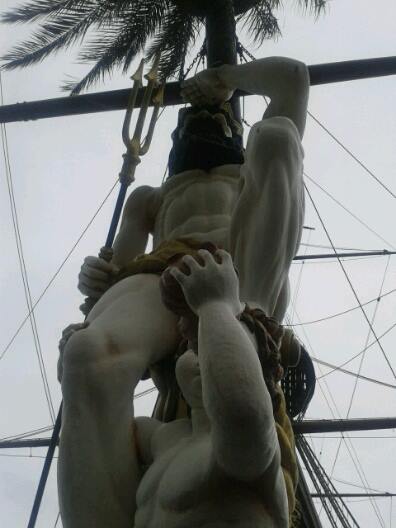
(198, 204)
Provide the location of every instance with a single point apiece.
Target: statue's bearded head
(204, 139)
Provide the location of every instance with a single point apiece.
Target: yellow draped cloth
(288, 455)
(163, 256)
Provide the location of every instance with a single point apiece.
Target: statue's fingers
(67, 329)
(191, 263)
(74, 327)
(225, 257)
(206, 256)
(178, 275)
(89, 282)
(95, 294)
(95, 273)
(99, 263)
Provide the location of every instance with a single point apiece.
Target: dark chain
(201, 53)
(243, 51)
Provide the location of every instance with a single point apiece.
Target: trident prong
(152, 78)
(137, 79)
(158, 101)
(133, 144)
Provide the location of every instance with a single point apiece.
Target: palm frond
(116, 45)
(121, 28)
(32, 11)
(262, 23)
(314, 6)
(62, 32)
(177, 34)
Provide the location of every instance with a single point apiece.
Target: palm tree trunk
(220, 33)
(221, 39)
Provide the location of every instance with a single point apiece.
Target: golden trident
(134, 149)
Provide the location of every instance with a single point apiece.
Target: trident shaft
(135, 149)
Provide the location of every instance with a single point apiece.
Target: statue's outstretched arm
(137, 222)
(235, 395)
(138, 218)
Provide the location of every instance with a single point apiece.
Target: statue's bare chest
(198, 203)
(177, 476)
(184, 487)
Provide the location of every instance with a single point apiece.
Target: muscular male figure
(254, 210)
(222, 468)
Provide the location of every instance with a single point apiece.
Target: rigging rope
(338, 248)
(349, 372)
(353, 156)
(361, 364)
(57, 520)
(359, 353)
(349, 211)
(368, 337)
(22, 264)
(27, 433)
(338, 314)
(350, 283)
(348, 443)
(58, 271)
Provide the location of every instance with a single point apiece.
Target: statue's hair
(268, 333)
(171, 291)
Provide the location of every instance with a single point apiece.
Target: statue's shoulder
(144, 201)
(153, 437)
(168, 435)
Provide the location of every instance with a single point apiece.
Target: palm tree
(112, 33)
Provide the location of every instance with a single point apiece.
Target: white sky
(62, 169)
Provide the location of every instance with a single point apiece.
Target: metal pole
(118, 99)
(354, 424)
(46, 468)
(127, 176)
(351, 495)
(300, 427)
(344, 255)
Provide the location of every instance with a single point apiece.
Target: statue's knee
(81, 350)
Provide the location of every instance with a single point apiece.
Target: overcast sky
(63, 168)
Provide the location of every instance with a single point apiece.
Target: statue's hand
(95, 276)
(213, 279)
(206, 88)
(66, 335)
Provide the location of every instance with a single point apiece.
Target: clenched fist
(206, 88)
(95, 276)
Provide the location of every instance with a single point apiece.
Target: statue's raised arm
(285, 81)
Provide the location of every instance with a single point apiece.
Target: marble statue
(221, 467)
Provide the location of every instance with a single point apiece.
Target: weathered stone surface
(204, 470)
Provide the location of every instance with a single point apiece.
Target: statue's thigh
(134, 319)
